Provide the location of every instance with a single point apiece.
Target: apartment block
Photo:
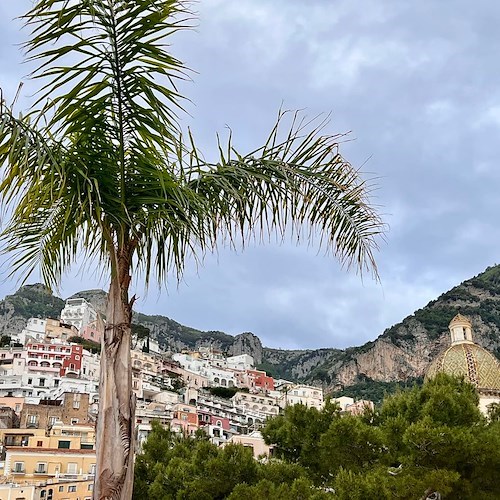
(71, 409)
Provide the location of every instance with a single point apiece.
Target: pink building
(359, 407)
(185, 419)
(255, 380)
(91, 332)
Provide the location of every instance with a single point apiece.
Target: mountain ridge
(400, 353)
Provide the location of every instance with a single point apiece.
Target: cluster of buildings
(49, 398)
(49, 402)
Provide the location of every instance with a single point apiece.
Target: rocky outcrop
(247, 343)
(405, 350)
(30, 301)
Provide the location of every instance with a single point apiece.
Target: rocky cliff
(401, 352)
(30, 301)
(404, 351)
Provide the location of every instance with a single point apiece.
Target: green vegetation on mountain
(87, 344)
(374, 390)
(33, 301)
(169, 330)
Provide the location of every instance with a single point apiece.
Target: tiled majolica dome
(467, 359)
(473, 362)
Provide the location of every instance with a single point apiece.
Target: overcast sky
(416, 82)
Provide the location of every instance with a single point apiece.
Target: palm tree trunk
(116, 422)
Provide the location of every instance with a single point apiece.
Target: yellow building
(50, 490)
(66, 453)
(466, 359)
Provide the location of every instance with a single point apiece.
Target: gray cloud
(416, 83)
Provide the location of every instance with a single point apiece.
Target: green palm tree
(99, 165)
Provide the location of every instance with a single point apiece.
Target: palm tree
(99, 165)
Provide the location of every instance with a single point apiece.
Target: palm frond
(298, 180)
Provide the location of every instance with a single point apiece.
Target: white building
(78, 312)
(344, 402)
(241, 362)
(91, 364)
(264, 405)
(307, 395)
(216, 374)
(35, 328)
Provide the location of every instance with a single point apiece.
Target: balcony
(18, 471)
(68, 476)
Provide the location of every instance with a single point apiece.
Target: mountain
(403, 351)
(400, 353)
(30, 301)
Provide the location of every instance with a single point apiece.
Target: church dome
(471, 361)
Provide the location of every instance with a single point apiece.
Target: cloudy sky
(415, 82)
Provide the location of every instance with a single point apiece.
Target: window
(18, 467)
(52, 420)
(72, 468)
(56, 381)
(74, 421)
(32, 419)
(61, 488)
(30, 381)
(90, 487)
(18, 408)
(64, 444)
(72, 488)
(42, 382)
(39, 443)
(41, 468)
(17, 355)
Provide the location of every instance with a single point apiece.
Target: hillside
(401, 353)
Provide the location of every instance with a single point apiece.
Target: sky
(417, 86)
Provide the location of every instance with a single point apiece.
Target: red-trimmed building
(261, 381)
(65, 359)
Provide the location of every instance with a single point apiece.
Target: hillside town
(49, 401)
